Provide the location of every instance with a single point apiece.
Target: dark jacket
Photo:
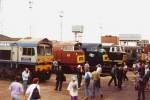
(119, 74)
(59, 75)
(141, 71)
(79, 73)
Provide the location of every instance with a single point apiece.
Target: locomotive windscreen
(116, 56)
(5, 54)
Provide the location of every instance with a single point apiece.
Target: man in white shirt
(25, 77)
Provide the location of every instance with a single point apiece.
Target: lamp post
(30, 26)
(61, 15)
(100, 27)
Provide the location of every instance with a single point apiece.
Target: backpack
(35, 94)
(87, 76)
(87, 80)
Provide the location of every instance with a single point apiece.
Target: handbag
(64, 78)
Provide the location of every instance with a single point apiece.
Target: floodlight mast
(61, 15)
(30, 17)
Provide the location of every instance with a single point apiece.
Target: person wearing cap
(31, 88)
(73, 88)
(79, 75)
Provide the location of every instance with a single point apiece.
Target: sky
(99, 17)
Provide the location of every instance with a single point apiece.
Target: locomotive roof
(90, 45)
(65, 42)
(32, 42)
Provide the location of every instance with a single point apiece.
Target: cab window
(28, 51)
(48, 51)
(40, 50)
(44, 50)
(77, 47)
(68, 48)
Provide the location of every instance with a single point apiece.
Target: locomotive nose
(80, 59)
(105, 57)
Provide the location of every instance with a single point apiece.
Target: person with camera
(25, 78)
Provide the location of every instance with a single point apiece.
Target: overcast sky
(99, 17)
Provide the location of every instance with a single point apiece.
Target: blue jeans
(96, 87)
(87, 88)
(15, 97)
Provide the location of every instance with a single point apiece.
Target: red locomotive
(69, 55)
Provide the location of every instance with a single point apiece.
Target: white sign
(25, 59)
(133, 37)
(77, 29)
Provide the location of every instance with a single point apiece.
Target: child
(73, 89)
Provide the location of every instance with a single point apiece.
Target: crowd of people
(90, 82)
(142, 74)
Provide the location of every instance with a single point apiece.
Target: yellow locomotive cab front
(44, 62)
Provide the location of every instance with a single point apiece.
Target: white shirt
(55, 63)
(134, 65)
(146, 71)
(72, 91)
(125, 67)
(99, 70)
(30, 90)
(25, 75)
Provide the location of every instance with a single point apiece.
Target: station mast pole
(61, 15)
(30, 17)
